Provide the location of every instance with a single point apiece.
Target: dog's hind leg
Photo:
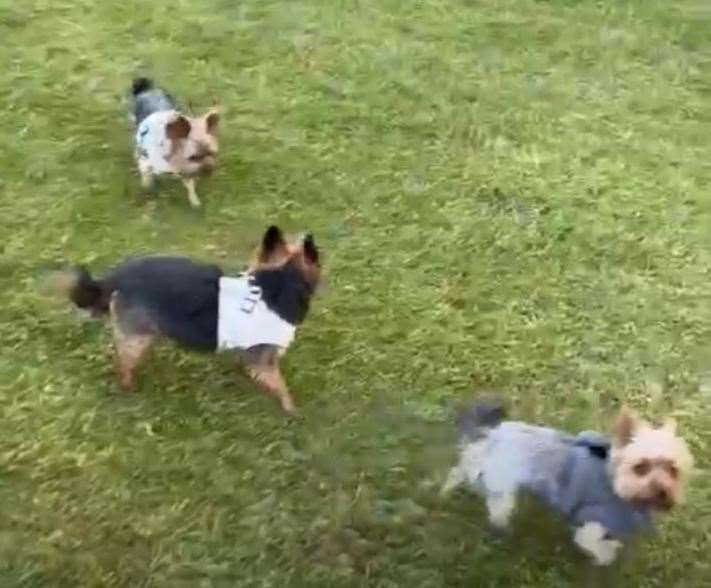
(263, 368)
(131, 347)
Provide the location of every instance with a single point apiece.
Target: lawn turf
(509, 195)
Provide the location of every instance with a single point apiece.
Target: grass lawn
(510, 195)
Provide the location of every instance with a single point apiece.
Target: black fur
(147, 99)
(86, 293)
(141, 85)
(473, 423)
(178, 298)
(599, 451)
(272, 239)
(285, 292)
(596, 444)
(175, 296)
(310, 250)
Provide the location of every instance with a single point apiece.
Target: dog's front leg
(189, 184)
(145, 170)
(591, 538)
(457, 476)
(263, 368)
(272, 382)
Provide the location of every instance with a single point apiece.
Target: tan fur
(261, 362)
(61, 283)
(131, 350)
(649, 465)
(288, 251)
(270, 379)
(263, 367)
(178, 129)
(193, 151)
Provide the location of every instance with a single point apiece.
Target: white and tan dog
(170, 142)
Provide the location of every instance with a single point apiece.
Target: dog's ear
(212, 120)
(625, 427)
(178, 128)
(310, 249)
(272, 242)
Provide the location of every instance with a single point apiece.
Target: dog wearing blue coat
(607, 490)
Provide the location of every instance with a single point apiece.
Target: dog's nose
(663, 499)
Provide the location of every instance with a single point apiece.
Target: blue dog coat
(570, 474)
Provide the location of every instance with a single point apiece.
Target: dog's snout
(662, 497)
(203, 154)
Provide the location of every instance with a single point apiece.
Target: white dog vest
(152, 144)
(244, 320)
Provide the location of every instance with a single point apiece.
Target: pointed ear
(271, 242)
(178, 128)
(626, 425)
(310, 249)
(212, 119)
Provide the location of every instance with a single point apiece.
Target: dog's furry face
(276, 252)
(649, 464)
(194, 143)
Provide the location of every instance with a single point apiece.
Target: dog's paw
(287, 405)
(294, 413)
(606, 552)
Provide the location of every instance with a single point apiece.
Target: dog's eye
(642, 468)
(673, 471)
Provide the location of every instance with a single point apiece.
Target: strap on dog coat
(244, 320)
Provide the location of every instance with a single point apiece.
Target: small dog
(607, 491)
(169, 142)
(195, 305)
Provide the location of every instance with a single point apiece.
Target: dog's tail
(141, 85)
(83, 290)
(478, 419)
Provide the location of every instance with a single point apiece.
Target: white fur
(591, 539)
(501, 507)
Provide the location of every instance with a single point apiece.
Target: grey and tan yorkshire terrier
(607, 491)
(254, 314)
(169, 141)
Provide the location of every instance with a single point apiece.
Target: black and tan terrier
(197, 306)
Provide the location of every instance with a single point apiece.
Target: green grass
(510, 195)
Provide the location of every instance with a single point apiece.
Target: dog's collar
(244, 320)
